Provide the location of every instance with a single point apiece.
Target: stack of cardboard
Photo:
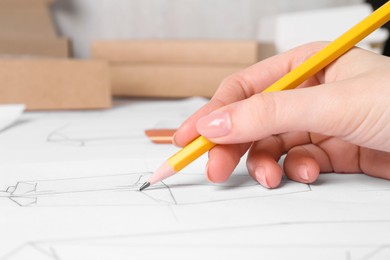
(26, 28)
(173, 68)
(34, 66)
(55, 83)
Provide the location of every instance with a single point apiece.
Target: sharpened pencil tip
(144, 186)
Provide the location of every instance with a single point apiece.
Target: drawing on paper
(233, 241)
(102, 133)
(123, 190)
(91, 135)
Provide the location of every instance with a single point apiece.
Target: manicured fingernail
(214, 125)
(207, 171)
(302, 172)
(174, 139)
(261, 176)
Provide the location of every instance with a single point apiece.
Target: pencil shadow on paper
(114, 190)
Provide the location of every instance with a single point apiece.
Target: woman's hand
(336, 121)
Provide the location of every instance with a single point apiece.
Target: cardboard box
(25, 3)
(177, 52)
(164, 80)
(175, 69)
(30, 21)
(55, 83)
(56, 47)
(26, 23)
(26, 28)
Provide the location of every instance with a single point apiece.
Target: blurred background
(155, 48)
(85, 20)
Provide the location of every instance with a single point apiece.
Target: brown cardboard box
(162, 80)
(55, 83)
(177, 51)
(24, 3)
(56, 47)
(175, 68)
(26, 28)
(26, 22)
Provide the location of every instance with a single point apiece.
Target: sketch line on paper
(102, 133)
(172, 239)
(123, 189)
(377, 252)
(88, 190)
(61, 136)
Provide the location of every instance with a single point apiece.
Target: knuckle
(264, 109)
(235, 85)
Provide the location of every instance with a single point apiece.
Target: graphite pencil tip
(144, 186)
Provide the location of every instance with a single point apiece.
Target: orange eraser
(160, 136)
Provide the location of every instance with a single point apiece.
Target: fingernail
(174, 140)
(207, 171)
(302, 172)
(261, 176)
(214, 125)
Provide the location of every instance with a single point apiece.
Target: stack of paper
(69, 191)
(9, 114)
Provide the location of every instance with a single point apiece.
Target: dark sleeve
(375, 5)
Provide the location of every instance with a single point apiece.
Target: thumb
(319, 109)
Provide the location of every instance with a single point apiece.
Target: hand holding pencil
(337, 121)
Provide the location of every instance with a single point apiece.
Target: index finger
(246, 83)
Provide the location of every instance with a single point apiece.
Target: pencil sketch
(62, 202)
(123, 190)
(100, 190)
(117, 127)
(103, 133)
(89, 135)
(234, 242)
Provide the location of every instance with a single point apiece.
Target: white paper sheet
(68, 191)
(289, 30)
(9, 114)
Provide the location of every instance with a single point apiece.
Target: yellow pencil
(291, 80)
